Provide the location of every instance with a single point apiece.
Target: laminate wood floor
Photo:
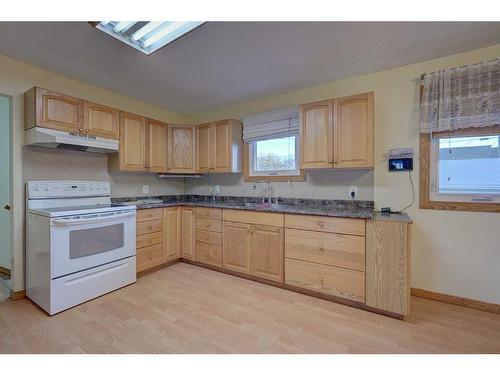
(188, 309)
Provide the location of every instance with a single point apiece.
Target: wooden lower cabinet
(149, 257)
(335, 281)
(188, 225)
(171, 238)
(388, 266)
(266, 252)
(236, 246)
(149, 240)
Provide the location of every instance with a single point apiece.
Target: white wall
(456, 253)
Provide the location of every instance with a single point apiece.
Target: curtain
(460, 98)
(273, 124)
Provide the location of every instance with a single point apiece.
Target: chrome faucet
(269, 190)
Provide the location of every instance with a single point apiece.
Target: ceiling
(227, 62)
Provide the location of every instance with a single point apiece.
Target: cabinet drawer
(208, 237)
(332, 249)
(149, 239)
(326, 224)
(149, 214)
(146, 227)
(250, 217)
(214, 225)
(208, 213)
(208, 253)
(335, 281)
(149, 257)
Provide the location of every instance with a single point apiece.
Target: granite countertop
(318, 207)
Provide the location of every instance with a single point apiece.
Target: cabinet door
(100, 120)
(236, 246)
(353, 131)
(156, 146)
(132, 142)
(171, 228)
(316, 135)
(58, 111)
(222, 147)
(187, 232)
(267, 252)
(204, 147)
(181, 149)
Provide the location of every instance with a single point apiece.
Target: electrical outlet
(353, 189)
(217, 189)
(145, 189)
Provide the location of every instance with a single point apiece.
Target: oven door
(85, 241)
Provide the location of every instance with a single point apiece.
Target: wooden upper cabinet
(100, 120)
(53, 110)
(132, 153)
(188, 229)
(171, 238)
(353, 131)
(236, 246)
(316, 135)
(267, 252)
(205, 145)
(219, 147)
(156, 146)
(181, 149)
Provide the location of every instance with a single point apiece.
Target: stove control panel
(65, 189)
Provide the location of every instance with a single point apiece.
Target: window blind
(272, 124)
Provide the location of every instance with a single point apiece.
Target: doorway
(5, 195)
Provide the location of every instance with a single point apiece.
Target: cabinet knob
(80, 130)
(320, 223)
(86, 130)
(321, 248)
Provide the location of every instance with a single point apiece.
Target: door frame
(11, 187)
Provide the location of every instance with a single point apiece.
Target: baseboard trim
(156, 268)
(17, 295)
(454, 300)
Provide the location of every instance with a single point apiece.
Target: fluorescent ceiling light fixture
(146, 36)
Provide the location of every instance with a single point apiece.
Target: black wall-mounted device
(400, 164)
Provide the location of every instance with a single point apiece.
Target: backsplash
(50, 164)
(319, 184)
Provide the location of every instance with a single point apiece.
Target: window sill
(300, 177)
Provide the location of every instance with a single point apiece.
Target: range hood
(50, 138)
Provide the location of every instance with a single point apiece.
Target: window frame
(281, 175)
(428, 164)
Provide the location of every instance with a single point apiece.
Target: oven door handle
(92, 220)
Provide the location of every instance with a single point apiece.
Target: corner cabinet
(337, 133)
(181, 150)
(219, 147)
(188, 229)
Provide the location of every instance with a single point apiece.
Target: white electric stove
(78, 244)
